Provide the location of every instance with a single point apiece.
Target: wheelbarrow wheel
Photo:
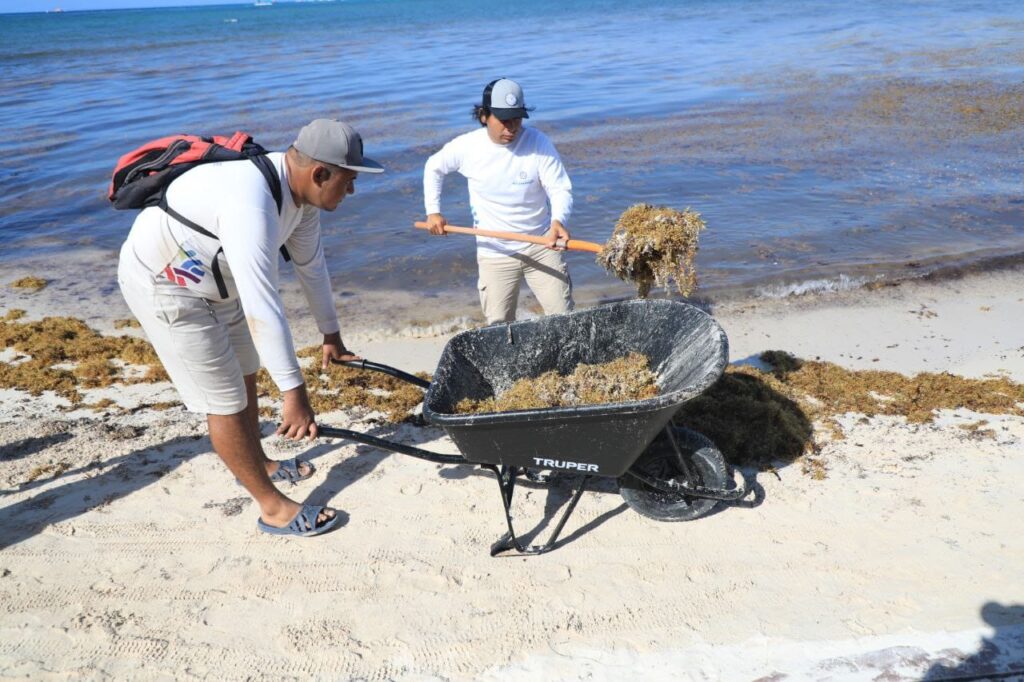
(659, 462)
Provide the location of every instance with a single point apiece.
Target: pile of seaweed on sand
(63, 354)
(788, 413)
(30, 283)
(343, 388)
(623, 379)
(652, 245)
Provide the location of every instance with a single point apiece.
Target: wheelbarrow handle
(570, 245)
(391, 446)
(384, 369)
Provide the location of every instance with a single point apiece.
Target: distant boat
(263, 3)
(55, 10)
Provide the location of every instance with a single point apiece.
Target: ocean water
(826, 144)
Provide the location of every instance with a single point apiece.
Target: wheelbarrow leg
(507, 483)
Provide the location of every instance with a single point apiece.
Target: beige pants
(545, 272)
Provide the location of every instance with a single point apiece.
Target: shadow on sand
(1000, 657)
(29, 446)
(751, 423)
(121, 476)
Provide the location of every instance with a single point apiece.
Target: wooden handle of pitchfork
(570, 245)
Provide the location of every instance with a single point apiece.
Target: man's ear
(320, 175)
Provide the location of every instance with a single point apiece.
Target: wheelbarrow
(664, 471)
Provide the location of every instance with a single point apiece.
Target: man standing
(201, 276)
(513, 172)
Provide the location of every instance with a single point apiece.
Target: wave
(415, 331)
(815, 286)
(937, 271)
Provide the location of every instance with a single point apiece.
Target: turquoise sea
(826, 144)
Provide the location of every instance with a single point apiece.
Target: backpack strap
(273, 181)
(222, 288)
(185, 221)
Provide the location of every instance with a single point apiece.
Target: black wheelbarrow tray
(664, 471)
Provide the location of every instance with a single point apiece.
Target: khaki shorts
(545, 272)
(204, 345)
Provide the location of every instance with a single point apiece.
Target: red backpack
(141, 176)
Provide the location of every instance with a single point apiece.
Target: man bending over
(201, 276)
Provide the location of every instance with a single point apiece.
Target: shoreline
(368, 315)
(402, 283)
(128, 550)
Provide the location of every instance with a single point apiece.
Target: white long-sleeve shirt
(509, 185)
(233, 201)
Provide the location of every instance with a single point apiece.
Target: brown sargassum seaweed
(343, 388)
(29, 283)
(755, 417)
(623, 379)
(652, 245)
(64, 355)
(764, 418)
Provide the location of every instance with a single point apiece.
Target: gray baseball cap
(336, 143)
(505, 99)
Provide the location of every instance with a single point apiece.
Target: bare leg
(252, 419)
(252, 412)
(235, 441)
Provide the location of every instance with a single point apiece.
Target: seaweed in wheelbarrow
(665, 472)
(625, 378)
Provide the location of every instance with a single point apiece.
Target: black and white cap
(505, 99)
(336, 143)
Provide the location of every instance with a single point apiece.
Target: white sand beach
(136, 556)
